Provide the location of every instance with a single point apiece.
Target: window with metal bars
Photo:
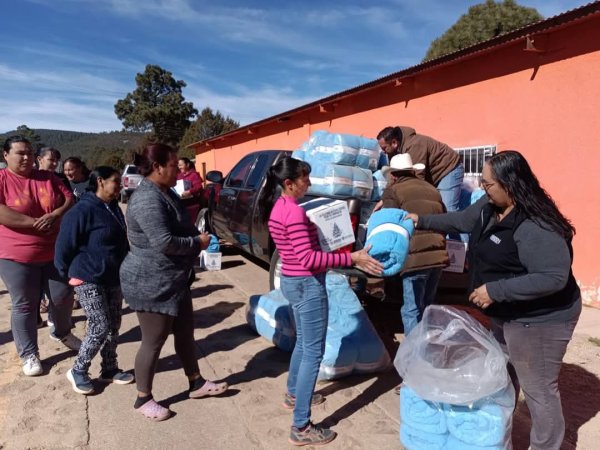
(473, 158)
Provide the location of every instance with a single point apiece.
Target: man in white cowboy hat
(427, 253)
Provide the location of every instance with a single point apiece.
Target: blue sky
(64, 63)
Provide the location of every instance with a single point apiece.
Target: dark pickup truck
(232, 212)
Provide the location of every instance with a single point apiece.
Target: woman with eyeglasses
(520, 258)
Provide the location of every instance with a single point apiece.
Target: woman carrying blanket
(520, 257)
(303, 284)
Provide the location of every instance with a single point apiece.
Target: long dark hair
(103, 172)
(153, 153)
(512, 171)
(287, 168)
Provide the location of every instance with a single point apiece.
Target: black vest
(493, 256)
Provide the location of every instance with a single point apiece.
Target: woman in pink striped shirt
(303, 283)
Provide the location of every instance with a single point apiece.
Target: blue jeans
(419, 289)
(308, 298)
(450, 186)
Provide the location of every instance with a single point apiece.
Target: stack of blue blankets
(426, 425)
(389, 233)
(352, 344)
(380, 182)
(342, 164)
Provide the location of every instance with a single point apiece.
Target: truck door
(225, 217)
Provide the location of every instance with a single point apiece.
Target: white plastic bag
(449, 357)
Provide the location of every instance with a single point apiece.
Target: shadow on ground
(582, 405)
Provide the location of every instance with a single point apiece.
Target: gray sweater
(542, 252)
(164, 244)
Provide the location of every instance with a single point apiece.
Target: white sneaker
(32, 366)
(70, 341)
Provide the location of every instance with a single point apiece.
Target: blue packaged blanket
(423, 415)
(213, 245)
(324, 147)
(455, 444)
(486, 422)
(352, 344)
(413, 439)
(270, 315)
(299, 154)
(338, 180)
(389, 233)
(368, 154)
(379, 184)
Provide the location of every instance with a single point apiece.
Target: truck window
(131, 170)
(240, 171)
(257, 173)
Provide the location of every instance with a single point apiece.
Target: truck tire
(275, 271)
(202, 222)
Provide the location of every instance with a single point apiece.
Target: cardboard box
(182, 185)
(332, 219)
(210, 261)
(457, 253)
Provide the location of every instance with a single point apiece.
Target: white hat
(401, 161)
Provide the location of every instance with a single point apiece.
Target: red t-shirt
(41, 193)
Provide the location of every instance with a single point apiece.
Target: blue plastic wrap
(338, 180)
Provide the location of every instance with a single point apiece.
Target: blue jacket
(92, 241)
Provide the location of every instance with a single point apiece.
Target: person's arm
(196, 180)
(453, 222)
(152, 216)
(13, 219)
(48, 220)
(546, 257)
(67, 242)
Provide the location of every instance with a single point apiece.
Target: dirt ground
(44, 412)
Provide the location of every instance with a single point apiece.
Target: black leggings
(155, 330)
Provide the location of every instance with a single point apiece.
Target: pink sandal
(209, 389)
(153, 411)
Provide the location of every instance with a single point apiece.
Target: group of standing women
(53, 248)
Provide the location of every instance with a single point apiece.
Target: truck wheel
(275, 271)
(202, 221)
(124, 198)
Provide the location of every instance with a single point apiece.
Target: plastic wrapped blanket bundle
(352, 344)
(453, 367)
(389, 233)
(334, 179)
(485, 425)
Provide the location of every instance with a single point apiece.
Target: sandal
(209, 389)
(153, 411)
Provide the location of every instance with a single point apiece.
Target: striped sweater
(297, 241)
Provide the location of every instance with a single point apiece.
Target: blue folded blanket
(485, 422)
(389, 235)
(270, 315)
(414, 439)
(213, 245)
(456, 444)
(422, 415)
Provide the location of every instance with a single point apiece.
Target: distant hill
(114, 147)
